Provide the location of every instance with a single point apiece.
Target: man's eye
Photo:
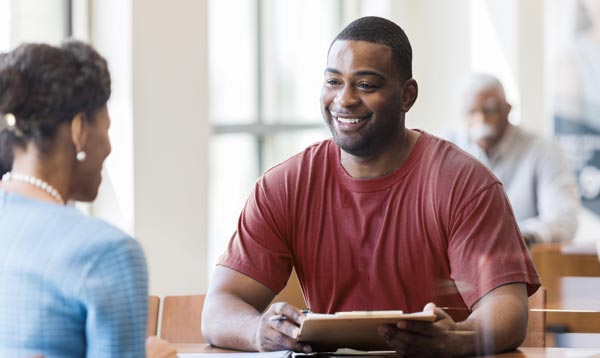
(365, 86)
(332, 82)
(491, 110)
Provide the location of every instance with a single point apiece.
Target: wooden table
(520, 353)
(199, 348)
(552, 353)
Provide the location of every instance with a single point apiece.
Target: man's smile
(349, 120)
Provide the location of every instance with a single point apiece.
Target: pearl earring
(81, 156)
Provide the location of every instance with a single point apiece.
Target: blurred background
(208, 94)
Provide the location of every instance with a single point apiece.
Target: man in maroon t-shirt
(379, 218)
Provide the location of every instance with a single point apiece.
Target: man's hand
(279, 328)
(422, 339)
(498, 322)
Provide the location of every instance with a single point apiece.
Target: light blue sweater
(70, 285)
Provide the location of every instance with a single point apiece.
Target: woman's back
(70, 286)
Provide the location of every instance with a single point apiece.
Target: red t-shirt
(438, 229)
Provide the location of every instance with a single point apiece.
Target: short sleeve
(486, 249)
(114, 292)
(260, 246)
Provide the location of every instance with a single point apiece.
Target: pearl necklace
(39, 183)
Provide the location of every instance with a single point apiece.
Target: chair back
(153, 306)
(536, 323)
(182, 319)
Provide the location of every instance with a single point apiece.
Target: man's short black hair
(385, 32)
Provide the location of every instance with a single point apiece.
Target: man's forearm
(499, 323)
(481, 338)
(229, 322)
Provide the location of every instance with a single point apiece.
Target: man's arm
(233, 315)
(498, 323)
(558, 199)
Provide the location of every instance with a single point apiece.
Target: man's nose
(477, 116)
(346, 97)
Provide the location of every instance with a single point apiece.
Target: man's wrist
(463, 341)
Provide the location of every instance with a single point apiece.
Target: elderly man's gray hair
(478, 82)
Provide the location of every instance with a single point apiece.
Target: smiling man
(380, 218)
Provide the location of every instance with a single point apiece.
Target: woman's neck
(47, 168)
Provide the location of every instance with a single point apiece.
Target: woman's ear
(79, 131)
(409, 94)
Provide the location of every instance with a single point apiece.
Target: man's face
(361, 99)
(487, 117)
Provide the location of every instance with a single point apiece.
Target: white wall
(158, 58)
(531, 67)
(439, 35)
(171, 129)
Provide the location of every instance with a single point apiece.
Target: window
(33, 21)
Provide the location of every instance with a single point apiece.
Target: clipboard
(355, 330)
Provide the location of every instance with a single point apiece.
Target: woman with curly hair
(70, 285)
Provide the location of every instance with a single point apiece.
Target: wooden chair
(182, 315)
(553, 261)
(182, 319)
(153, 306)
(536, 323)
(570, 274)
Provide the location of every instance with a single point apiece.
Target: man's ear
(409, 94)
(507, 108)
(79, 131)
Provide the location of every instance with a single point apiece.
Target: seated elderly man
(536, 176)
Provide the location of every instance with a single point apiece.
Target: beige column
(159, 166)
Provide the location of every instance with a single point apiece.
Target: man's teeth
(348, 120)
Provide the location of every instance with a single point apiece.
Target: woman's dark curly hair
(45, 86)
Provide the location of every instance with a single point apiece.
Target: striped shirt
(70, 285)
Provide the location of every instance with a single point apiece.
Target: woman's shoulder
(102, 236)
(101, 228)
(87, 237)
(104, 249)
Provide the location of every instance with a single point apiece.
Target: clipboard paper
(355, 330)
